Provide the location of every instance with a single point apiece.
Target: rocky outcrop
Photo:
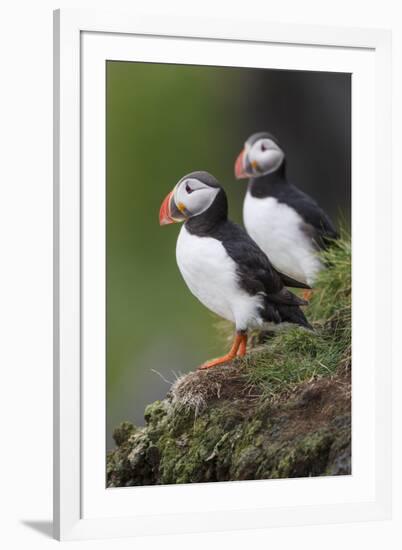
(214, 426)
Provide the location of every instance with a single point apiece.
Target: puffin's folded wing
(291, 314)
(317, 224)
(284, 296)
(255, 272)
(289, 281)
(256, 275)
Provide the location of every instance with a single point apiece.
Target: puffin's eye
(188, 189)
(263, 148)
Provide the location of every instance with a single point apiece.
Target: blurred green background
(164, 121)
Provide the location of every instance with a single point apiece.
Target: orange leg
(239, 342)
(243, 346)
(307, 294)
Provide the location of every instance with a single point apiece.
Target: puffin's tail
(293, 314)
(284, 307)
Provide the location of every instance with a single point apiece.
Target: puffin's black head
(261, 155)
(193, 195)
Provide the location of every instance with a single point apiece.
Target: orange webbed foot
(238, 347)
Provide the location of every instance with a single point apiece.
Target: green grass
(296, 355)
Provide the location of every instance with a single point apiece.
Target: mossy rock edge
(306, 432)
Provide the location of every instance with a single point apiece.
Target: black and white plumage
(284, 221)
(222, 266)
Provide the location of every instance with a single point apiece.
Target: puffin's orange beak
(165, 213)
(240, 172)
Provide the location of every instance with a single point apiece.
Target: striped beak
(240, 171)
(170, 212)
(165, 216)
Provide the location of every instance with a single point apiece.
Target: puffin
(223, 267)
(287, 224)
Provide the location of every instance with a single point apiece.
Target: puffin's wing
(256, 275)
(286, 297)
(317, 224)
(289, 281)
(254, 270)
(253, 263)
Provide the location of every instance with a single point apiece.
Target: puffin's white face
(262, 157)
(190, 197)
(194, 195)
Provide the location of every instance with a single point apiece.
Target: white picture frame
(83, 507)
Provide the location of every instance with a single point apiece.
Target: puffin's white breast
(277, 229)
(210, 274)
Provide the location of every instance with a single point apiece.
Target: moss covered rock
(214, 426)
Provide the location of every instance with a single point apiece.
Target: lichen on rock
(213, 426)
